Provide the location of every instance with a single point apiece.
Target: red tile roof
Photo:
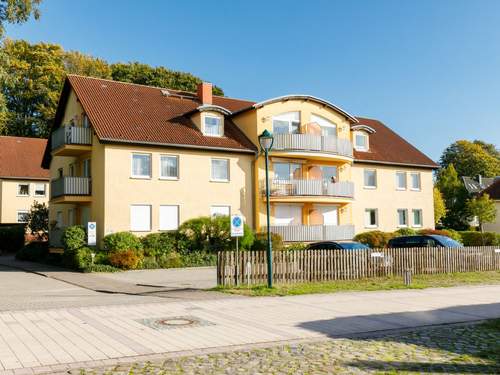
(127, 112)
(388, 147)
(21, 158)
(493, 190)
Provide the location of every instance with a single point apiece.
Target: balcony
(313, 143)
(70, 190)
(298, 188)
(312, 233)
(71, 141)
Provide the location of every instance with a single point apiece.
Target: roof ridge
(154, 87)
(22, 137)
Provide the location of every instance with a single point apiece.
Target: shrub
(101, 257)
(198, 259)
(156, 244)
(149, 263)
(101, 268)
(122, 241)
(74, 237)
(210, 234)
(34, 251)
(296, 246)
(11, 238)
(170, 260)
(405, 232)
(374, 238)
(470, 238)
(38, 220)
(260, 242)
(78, 259)
(442, 232)
(125, 259)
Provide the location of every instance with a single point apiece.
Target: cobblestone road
(471, 349)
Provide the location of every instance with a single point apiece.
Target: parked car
(425, 240)
(332, 245)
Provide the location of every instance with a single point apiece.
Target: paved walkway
(40, 341)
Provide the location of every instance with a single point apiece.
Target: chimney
(205, 92)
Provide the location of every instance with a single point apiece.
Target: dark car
(425, 240)
(332, 245)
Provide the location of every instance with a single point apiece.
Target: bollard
(407, 275)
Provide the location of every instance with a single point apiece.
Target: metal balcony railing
(70, 186)
(303, 187)
(311, 142)
(71, 135)
(309, 233)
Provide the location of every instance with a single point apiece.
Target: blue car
(424, 240)
(332, 245)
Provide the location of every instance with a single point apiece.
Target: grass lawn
(385, 283)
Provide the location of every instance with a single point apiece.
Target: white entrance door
(330, 214)
(287, 215)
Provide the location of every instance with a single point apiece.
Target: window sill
(401, 189)
(23, 196)
(369, 187)
(402, 226)
(40, 196)
(169, 178)
(140, 178)
(223, 181)
(416, 189)
(371, 226)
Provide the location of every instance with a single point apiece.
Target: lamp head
(266, 140)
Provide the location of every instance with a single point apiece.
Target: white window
(402, 217)
(286, 171)
(40, 190)
(169, 217)
(361, 141)
(22, 216)
(328, 128)
(417, 218)
(415, 181)
(140, 218)
(371, 218)
(23, 190)
(220, 170)
(169, 167)
(287, 215)
(220, 211)
(370, 177)
(141, 165)
(286, 123)
(212, 126)
(401, 180)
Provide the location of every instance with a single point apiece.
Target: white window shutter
(169, 217)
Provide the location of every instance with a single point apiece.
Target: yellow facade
(324, 190)
(14, 202)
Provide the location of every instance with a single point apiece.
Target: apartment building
(145, 159)
(22, 179)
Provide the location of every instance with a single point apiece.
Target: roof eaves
(434, 166)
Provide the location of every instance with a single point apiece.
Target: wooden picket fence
(296, 266)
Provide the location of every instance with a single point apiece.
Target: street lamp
(266, 141)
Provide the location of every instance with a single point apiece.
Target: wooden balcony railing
(71, 135)
(70, 186)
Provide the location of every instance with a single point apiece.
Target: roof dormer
(209, 119)
(361, 137)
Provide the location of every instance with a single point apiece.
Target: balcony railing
(70, 186)
(309, 233)
(344, 189)
(310, 142)
(71, 135)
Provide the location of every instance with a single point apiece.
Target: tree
(38, 220)
(483, 208)
(17, 11)
(439, 206)
(455, 196)
(472, 158)
(79, 63)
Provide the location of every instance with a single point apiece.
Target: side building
(145, 159)
(22, 179)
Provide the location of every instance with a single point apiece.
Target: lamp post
(266, 140)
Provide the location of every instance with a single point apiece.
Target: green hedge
(470, 238)
(122, 241)
(11, 238)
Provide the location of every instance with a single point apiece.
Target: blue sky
(428, 69)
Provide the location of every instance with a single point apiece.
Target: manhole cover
(174, 322)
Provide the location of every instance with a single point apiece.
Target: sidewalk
(41, 341)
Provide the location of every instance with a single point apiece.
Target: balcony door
(287, 171)
(324, 215)
(327, 127)
(287, 214)
(287, 123)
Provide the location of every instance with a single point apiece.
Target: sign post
(237, 230)
(91, 233)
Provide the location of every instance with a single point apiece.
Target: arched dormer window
(361, 137)
(286, 123)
